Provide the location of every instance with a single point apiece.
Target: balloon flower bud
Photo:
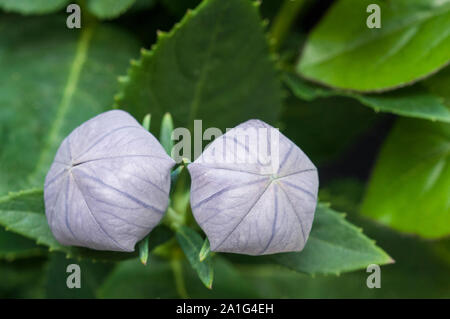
(108, 186)
(254, 191)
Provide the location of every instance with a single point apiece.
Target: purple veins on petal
(56, 177)
(227, 189)
(241, 213)
(300, 189)
(285, 157)
(120, 186)
(274, 225)
(105, 136)
(123, 193)
(66, 207)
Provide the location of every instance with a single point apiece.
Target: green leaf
(77, 72)
(23, 213)
(109, 9)
(143, 250)
(33, 6)
(191, 243)
(205, 251)
(146, 122)
(228, 282)
(416, 101)
(174, 176)
(91, 277)
(439, 85)
(412, 43)
(159, 235)
(165, 136)
(417, 273)
(305, 90)
(410, 186)
(196, 70)
(13, 246)
(180, 190)
(334, 246)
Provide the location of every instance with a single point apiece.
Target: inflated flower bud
(254, 191)
(108, 186)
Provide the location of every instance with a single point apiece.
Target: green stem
(283, 22)
(177, 269)
(143, 250)
(177, 212)
(174, 219)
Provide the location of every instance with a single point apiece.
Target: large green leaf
(23, 213)
(52, 79)
(334, 246)
(191, 243)
(417, 101)
(33, 6)
(413, 42)
(416, 274)
(410, 186)
(108, 9)
(214, 65)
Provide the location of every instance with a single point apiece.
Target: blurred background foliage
(370, 108)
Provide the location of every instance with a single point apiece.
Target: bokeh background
(344, 133)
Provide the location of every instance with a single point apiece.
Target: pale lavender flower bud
(108, 186)
(254, 194)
